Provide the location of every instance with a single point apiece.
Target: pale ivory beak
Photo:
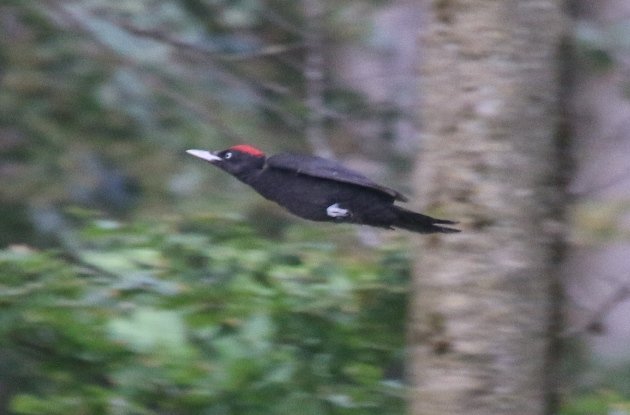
(204, 154)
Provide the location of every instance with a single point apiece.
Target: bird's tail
(417, 222)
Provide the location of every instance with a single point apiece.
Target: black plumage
(319, 189)
(327, 169)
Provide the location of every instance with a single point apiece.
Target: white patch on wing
(336, 211)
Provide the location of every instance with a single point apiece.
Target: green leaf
(149, 330)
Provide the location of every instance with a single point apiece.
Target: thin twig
(270, 15)
(264, 52)
(218, 59)
(599, 314)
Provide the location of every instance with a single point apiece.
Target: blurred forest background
(136, 280)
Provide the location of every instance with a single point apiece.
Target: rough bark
(485, 302)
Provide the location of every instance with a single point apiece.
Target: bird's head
(236, 160)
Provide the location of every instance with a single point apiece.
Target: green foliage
(189, 318)
(597, 403)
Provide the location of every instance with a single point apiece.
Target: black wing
(327, 169)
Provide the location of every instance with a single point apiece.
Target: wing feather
(327, 169)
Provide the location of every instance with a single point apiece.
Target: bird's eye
(227, 155)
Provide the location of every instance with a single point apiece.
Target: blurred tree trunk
(485, 311)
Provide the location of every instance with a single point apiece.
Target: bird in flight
(320, 189)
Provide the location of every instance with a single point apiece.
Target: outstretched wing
(327, 169)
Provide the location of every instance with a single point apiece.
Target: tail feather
(417, 222)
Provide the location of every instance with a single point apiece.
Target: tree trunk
(485, 307)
